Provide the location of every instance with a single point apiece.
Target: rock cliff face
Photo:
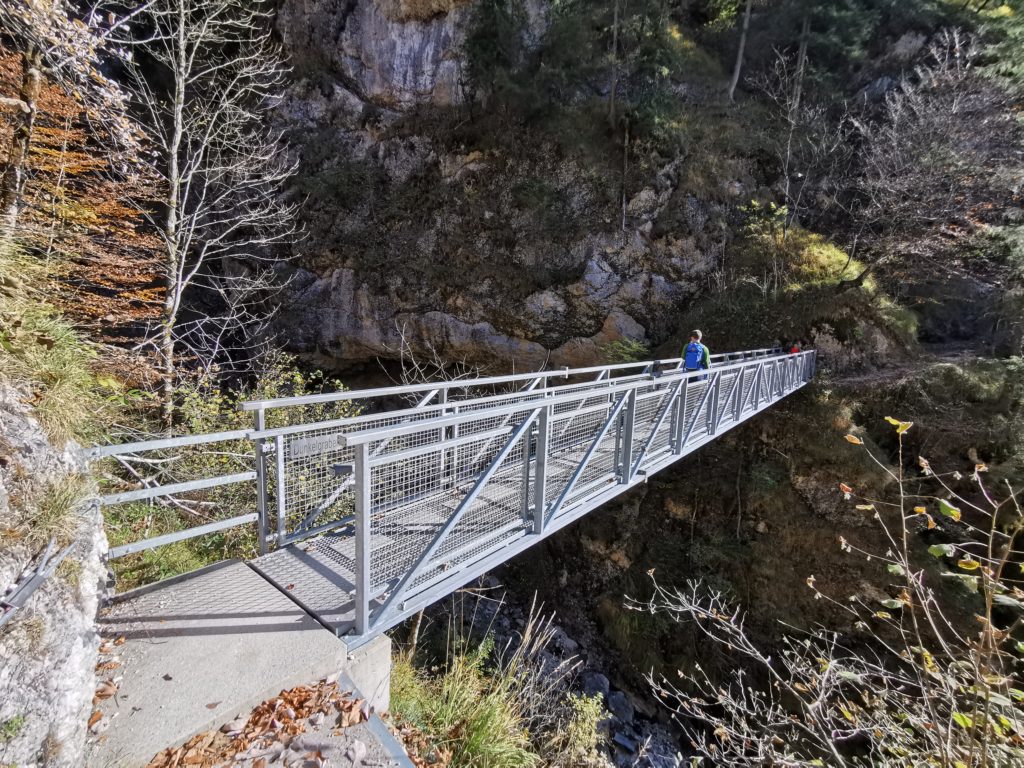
(514, 255)
(393, 53)
(48, 650)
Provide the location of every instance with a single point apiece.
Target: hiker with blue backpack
(695, 355)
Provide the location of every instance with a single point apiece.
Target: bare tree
(911, 685)
(56, 43)
(812, 148)
(738, 66)
(205, 75)
(938, 160)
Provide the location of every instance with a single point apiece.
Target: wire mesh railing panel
(572, 435)
(409, 505)
(727, 384)
(657, 438)
(310, 492)
(697, 409)
(650, 419)
(600, 471)
(497, 507)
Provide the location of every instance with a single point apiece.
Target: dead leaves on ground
(273, 724)
(422, 750)
(104, 690)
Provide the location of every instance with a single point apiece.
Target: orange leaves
(271, 725)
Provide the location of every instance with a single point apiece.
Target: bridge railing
(290, 472)
(441, 501)
(311, 501)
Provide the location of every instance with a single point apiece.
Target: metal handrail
(609, 387)
(604, 385)
(447, 413)
(405, 389)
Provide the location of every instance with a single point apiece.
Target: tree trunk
(12, 182)
(615, 67)
(739, 52)
(625, 170)
(801, 66)
(175, 258)
(414, 636)
(167, 365)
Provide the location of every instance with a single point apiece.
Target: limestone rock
(643, 203)
(620, 706)
(595, 684)
(53, 638)
(393, 52)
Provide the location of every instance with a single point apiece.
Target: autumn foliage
(99, 250)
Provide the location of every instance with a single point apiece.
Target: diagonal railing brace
(578, 472)
(666, 409)
(464, 505)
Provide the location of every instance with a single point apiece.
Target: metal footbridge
(385, 500)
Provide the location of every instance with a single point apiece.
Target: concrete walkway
(193, 653)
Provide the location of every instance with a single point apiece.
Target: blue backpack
(693, 358)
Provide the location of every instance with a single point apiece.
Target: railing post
(528, 441)
(259, 424)
(713, 405)
(625, 463)
(281, 489)
(679, 418)
(738, 398)
(540, 469)
(362, 533)
(442, 398)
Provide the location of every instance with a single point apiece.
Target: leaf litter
(269, 729)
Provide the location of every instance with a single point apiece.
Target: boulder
(620, 706)
(595, 684)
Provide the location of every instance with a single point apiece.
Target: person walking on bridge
(696, 356)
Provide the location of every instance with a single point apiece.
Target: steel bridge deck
(402, 528)
(319, 573)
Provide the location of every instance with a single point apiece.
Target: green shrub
(625, 351)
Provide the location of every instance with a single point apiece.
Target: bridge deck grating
(319, 573)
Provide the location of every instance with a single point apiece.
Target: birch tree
(206, 75)
(738, 66)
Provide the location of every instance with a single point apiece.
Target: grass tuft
(498, 708)
(10, 728)
(41, 352)
(54, 513)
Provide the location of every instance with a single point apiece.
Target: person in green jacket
(695, 355)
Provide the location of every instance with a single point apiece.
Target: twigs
(921, 690)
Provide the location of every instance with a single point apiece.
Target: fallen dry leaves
(104, 690)
(422, 750)
(275, 722)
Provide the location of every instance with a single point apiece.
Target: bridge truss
(364, 519)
